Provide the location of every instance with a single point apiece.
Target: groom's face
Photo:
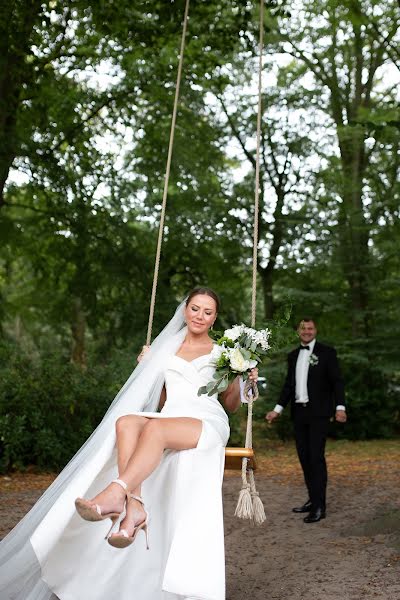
(307, 331)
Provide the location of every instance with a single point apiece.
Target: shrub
(49, 407)
(373, 400)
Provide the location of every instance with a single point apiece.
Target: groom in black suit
(314, 387)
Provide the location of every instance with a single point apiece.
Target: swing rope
(249, 504)
(166, 180)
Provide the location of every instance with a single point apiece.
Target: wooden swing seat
(233, 458)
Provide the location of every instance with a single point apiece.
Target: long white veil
(20, 575)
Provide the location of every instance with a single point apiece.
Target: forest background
(86, 94)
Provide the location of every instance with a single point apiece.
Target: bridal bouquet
(237, 350)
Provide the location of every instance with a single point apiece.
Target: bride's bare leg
(128, 429)
(157, 435)
(181, 433)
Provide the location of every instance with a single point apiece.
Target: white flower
(238, 362)
(262, 337)
(217, 352)
(259, 337)
(234, 333)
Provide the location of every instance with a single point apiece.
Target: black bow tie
(304, 348)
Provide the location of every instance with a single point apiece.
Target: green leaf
(223, 384)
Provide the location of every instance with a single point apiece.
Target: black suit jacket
(324, 383)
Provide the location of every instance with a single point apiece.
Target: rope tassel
(258, 507)
(258, 510)
(244, 507)
(249, 504)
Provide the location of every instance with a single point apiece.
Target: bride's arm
(163, 397)
(232, 395)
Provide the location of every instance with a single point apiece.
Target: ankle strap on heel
(138, 498)
(121, 483)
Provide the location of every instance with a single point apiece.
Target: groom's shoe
(315, 515)
(303, 509)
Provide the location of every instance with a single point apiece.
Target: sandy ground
(354, 554)
(351, 555)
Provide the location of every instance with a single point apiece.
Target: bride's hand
(253, 375)
(145, 349)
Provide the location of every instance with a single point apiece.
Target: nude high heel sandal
(122, 539)
(92, 512)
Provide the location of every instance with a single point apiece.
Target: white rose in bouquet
(239, 363)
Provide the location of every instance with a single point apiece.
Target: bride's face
(200, 313)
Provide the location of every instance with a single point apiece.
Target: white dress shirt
(302, 367)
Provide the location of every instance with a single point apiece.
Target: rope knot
(250, 391)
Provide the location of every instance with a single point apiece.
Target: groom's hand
(271, 416)
(341, 416)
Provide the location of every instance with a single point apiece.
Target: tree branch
(236, 133)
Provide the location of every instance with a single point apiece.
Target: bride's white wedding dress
(183, 497)
(182, 380)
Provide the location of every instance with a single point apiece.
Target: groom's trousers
(310, 434)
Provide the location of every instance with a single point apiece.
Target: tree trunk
(267, 280)
(353, 228)
(78, 330)
(267, 273)
(354, 231)
(16, 25)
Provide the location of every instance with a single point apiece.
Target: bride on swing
(144, 470)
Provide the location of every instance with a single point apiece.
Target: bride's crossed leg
(141, 442)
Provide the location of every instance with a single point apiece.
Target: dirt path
(341, 558)
(354, 554)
